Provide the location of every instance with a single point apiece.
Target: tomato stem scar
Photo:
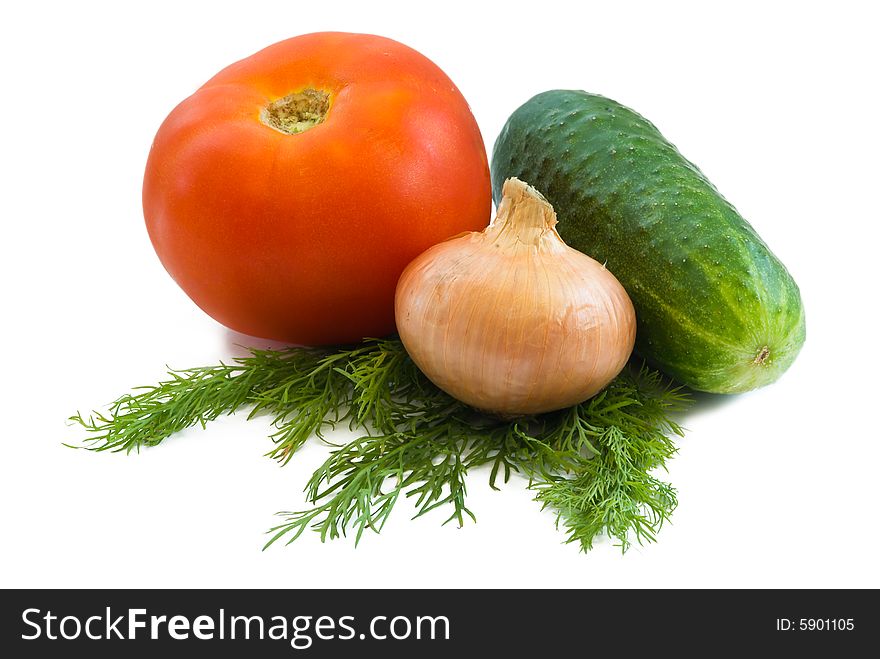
(297, 112)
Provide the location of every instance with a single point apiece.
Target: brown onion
(511, 320)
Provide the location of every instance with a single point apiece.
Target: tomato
(288, 193)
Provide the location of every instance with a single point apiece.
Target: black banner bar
(316, 623)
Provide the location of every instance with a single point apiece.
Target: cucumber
(716, 310)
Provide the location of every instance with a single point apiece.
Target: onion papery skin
(511, 320)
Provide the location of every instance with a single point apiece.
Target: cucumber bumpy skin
(716, 309)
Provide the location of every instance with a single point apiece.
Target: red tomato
(301, 236)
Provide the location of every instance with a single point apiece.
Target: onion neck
(524, 216)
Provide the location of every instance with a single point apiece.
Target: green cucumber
(716, 309)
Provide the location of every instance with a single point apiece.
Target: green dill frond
(592, 464)
(191, 396)
(313, 395)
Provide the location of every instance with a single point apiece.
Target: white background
(776, 102)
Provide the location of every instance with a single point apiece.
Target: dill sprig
(592, 464)
(299, 385)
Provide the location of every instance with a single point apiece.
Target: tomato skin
(301, 238)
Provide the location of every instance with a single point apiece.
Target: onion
(511, 320)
